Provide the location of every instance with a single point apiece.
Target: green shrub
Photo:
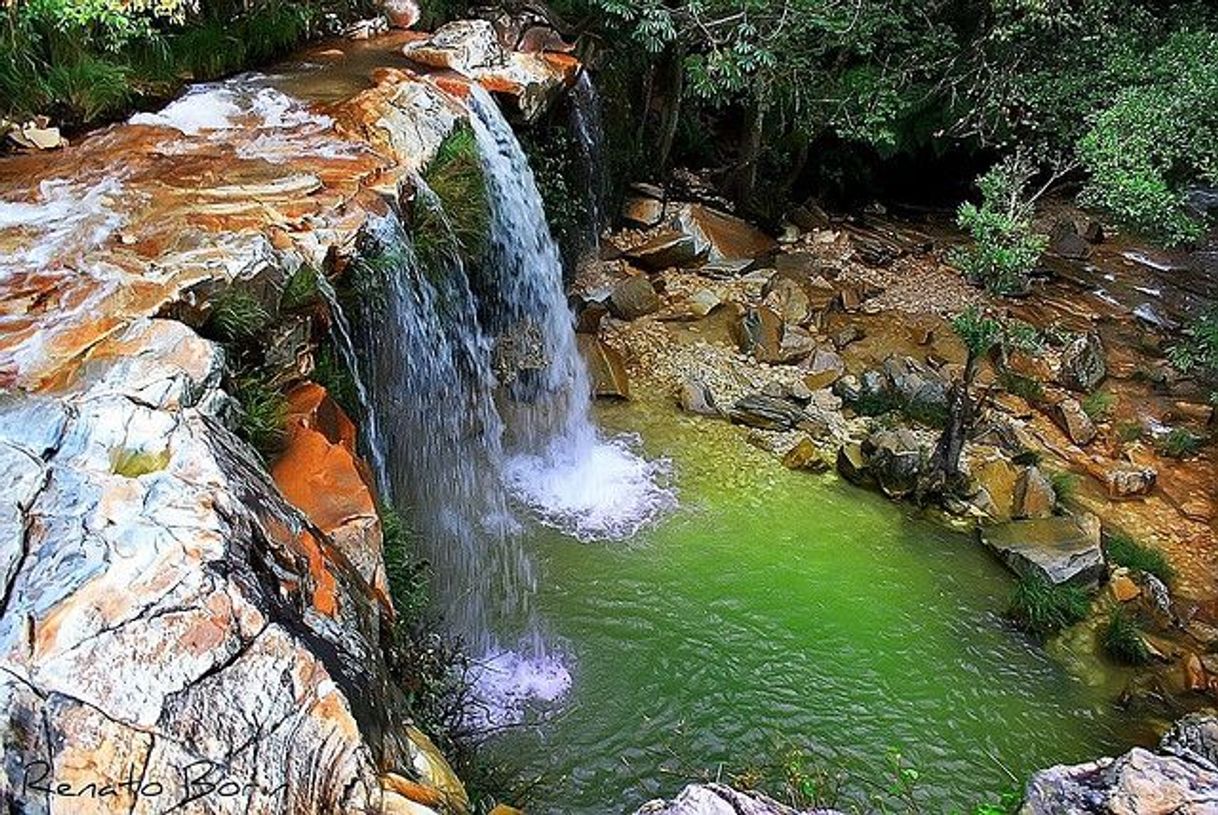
(237, 316)
(1099, 405)
(1159, 132)
(1122, 640)
(406, 575)
(1179, 443)
(1041, 608)
(1123, 550)
(1005, 249)
(263, 414)
(88, 88)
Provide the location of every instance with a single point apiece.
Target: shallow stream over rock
(779, 609)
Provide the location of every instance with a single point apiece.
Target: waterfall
(587, 122)
(557, 463)
(481, 404)
(340, 334)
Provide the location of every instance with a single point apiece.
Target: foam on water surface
(505, 684)
(598, 490)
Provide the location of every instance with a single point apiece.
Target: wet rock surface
(719, 799)
(1181, 777)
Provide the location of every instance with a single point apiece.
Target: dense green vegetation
(1117, 97)
(84, 61)
(1122, 640)
(451, 215)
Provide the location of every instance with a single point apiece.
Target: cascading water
(340, 334)
(557, 462)
(587, 122)
(480, 396)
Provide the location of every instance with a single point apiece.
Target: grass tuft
(1065, 485)
(1041, 608)
(1027, 388)
(1123, 641)
(1098, 406)
(1123, 550)
(263, 414)
(237, 317)
(1179, 443)
(456, 177)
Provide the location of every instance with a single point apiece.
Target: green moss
(1123, 550)
(1065, 485)
(1041, 608)
(237, 316)
(1129, 432)
(1122, 640)
(135, 463)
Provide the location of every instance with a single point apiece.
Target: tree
(981, 335)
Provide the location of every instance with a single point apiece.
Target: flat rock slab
(1060, 549)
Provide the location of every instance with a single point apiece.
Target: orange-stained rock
(320, 473)
(1123, 587)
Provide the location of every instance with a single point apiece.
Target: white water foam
(505, 683)
(596, 491)
(68, 220)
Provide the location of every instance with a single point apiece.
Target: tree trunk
(674, 90)
(944, 468)
(745, 175)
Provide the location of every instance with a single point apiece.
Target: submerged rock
(1060, 549)
(767, 413)
(1181, 778)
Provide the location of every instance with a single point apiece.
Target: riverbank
(817, 349)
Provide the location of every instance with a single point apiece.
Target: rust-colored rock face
(171, 614)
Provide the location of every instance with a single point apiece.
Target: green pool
(780, 609)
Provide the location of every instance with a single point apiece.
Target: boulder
(1066, 242)
(695, 397)
(1074, 421)
(896, 460)
(852, 464)
(1182, 777)
(1122, 586)
(824, 367)
(702, 302)
(472, 48)
(915, 384)
(606, 368)
(796, 344)
(665, 251)
(1083, 366)
(1034, 495)
(722, 237)
(718, 799)
(805, 455)
(759, 333)
(634, 297)
(997, 481)
(401, 13)
(1061, 549)
(766, 413)
(1130, 482)
(788, 299)
(642, 211)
